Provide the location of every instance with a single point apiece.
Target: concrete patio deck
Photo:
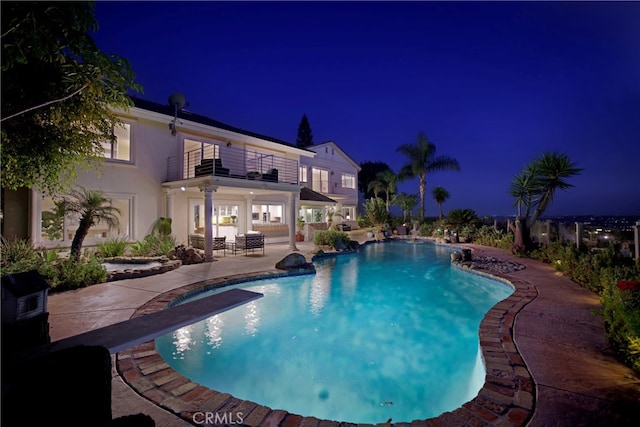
(578, 382)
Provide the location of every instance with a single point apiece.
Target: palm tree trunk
(440, 209)
(78, 238)
(521, 238)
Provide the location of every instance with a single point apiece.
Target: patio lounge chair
(219, 243)
(249, 242)
(208, 167)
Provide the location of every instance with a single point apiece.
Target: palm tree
(440, 195)
(92, 207)
(534, 188)
(423, 160)
(406, 202)
(386, 181)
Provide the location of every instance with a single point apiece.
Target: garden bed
(138, 267)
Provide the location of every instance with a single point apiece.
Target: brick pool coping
(507, 397)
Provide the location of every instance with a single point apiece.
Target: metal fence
(234, 163)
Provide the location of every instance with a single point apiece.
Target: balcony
(229, 162)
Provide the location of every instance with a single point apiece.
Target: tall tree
(422, 161)
(440, 195)
(92, 207)
(385, 182)
(534, 188)
(305, 137)
(368, 172)
(58, 89)
(406, 202)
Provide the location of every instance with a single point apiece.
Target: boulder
(294, 261)
(340, 246)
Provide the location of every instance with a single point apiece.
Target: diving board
(123, 335)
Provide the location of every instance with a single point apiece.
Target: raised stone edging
(134, 273)
(507, 397)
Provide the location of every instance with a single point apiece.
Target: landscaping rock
(294, 261)
(340, 246)
(490, 264)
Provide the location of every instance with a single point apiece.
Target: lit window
(120, 149)
(348, 181)
(302, 174)
(57, 227)
(348, 212)
(267, 214)
(320, 180)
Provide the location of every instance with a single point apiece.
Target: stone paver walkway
(543, 347)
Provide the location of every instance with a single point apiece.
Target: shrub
(19, 255)
(15, 251)
(489, 236)
(616, 280)
(431, 228)
(154, 245)
(621, 311)
(459, 218)
(116, 246)
(375, 211)
(70, 274)
(162, 226)
(331, 238)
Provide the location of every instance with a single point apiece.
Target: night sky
(491, 84)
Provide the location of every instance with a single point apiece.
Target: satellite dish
(177, 99)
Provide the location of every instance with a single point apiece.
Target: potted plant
(300, 232)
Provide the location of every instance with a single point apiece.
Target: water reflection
(213, 331)
(320, 288)
(182, 340)
(252, 318)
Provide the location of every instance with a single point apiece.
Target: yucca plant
(18, 255)
(113, 247)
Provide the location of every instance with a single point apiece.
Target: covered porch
(224, 206)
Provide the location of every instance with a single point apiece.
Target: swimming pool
(389, 333)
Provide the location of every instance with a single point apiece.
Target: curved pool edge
(506, 398)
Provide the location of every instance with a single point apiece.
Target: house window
(120, 149)
(302, 174)
(60, 228)
(348, 181)
(267, 214)
(320, 180)
(349, 212)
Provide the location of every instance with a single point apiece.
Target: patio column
(249, 221)
(293, 216)
(170, 201)
(208, 219)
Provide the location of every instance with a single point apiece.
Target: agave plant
(459, 218)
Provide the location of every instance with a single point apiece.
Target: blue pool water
(391, 332)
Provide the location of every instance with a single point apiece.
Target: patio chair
(220, 243)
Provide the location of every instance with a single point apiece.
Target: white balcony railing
(233, 163)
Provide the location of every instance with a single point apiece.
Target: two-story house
(333, 174)
(208, 177)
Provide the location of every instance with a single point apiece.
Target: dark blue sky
(492, 84)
